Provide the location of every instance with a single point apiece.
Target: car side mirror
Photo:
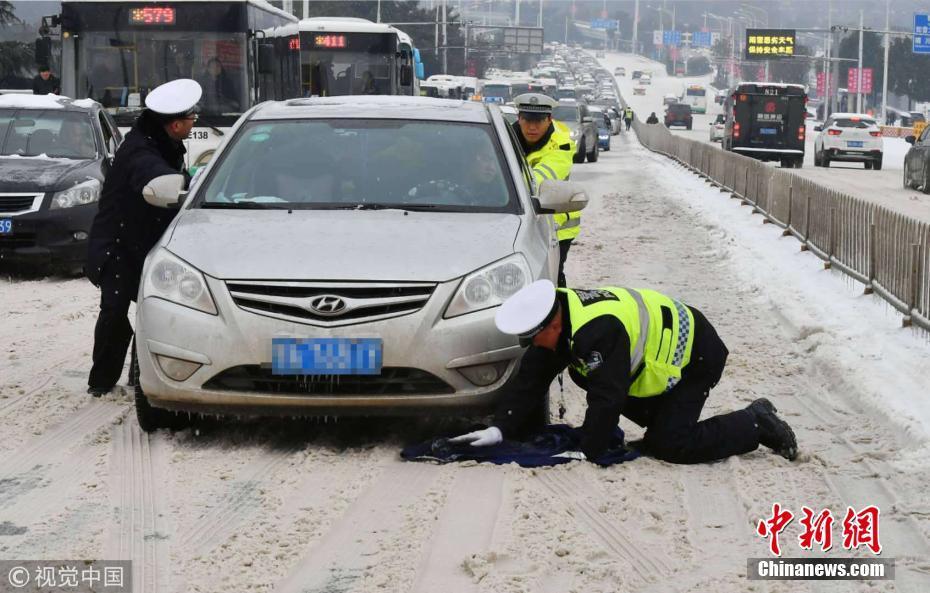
(910, 139)
(818, 128)
(557, 196)
(164, 191)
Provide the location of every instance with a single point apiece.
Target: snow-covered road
(294, 506)
(882, 187)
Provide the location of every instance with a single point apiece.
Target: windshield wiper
(244, 206)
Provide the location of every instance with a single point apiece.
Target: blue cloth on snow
(542, 450)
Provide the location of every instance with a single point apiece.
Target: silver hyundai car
(344, 256)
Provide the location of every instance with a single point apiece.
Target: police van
(765, 121)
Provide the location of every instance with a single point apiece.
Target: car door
(921, 163)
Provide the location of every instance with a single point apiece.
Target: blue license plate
(6, 226)
(326, 356)
(768, 131)
(854, 143)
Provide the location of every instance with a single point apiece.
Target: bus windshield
(118, 69)
(335, 64)
(497, 90)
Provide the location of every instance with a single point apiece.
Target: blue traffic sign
(608, 24)
(671, 37)
(921, 34)
(701, 39)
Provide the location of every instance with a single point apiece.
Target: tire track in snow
(349, 549)
(237, 506)
(140, 531)
(466, 525)
(650, 566)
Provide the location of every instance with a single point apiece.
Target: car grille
(391, 381)
(330, 304)
(17, 203)
(17, 240)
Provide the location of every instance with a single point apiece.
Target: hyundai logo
(327, 305)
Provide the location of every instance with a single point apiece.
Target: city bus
(354, 56)
(696, 96)
(242, 52)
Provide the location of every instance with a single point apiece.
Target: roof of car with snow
(374, 107)
(24, 101)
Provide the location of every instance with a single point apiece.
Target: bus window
(336, 64)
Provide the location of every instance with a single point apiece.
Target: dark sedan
(54, 153)
(917, 162)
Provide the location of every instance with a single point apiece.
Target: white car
(645, 79)
(639, 90)
(717, 127)
(850, 137)
(619, 71)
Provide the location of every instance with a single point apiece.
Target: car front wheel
(592, 158)
(877, 164)
(579, 156)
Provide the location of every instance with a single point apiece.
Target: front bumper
(48, 236)
(421, 355)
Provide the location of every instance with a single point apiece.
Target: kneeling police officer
(127, 226)
(638, 353)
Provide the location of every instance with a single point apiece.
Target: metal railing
(885, 250)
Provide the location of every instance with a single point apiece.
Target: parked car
(582, 128)
(678, 114)
(639, 90)
(917, 162)
(296, 281)
(619, 71)
(849, 137)
(54, 154)
(717, 127)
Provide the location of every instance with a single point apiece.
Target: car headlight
(171, 278)
(78, 195)
(490, 286)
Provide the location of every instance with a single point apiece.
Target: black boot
(774, 432)
(98, 391)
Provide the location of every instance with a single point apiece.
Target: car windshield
(565, 113)
(52, 132)
(860, 123)
(361, 164)
(497, 90)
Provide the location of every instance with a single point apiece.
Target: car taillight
(834, 132)
(875, 134)
(736, 130)
(801, 133)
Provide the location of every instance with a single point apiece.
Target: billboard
(519, 40)
(768, 44)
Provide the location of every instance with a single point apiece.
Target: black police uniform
(673, 432)
(124, 230)
(44, 87)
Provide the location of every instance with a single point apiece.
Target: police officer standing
(638, 353)
(127, 226)
(549, 148)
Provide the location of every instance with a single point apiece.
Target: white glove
(480, 438)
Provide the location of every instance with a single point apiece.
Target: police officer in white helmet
(132, 217)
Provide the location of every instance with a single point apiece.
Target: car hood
(42, 174)
(389, 245)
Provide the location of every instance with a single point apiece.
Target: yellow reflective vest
(661, 332)
(554, 161)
